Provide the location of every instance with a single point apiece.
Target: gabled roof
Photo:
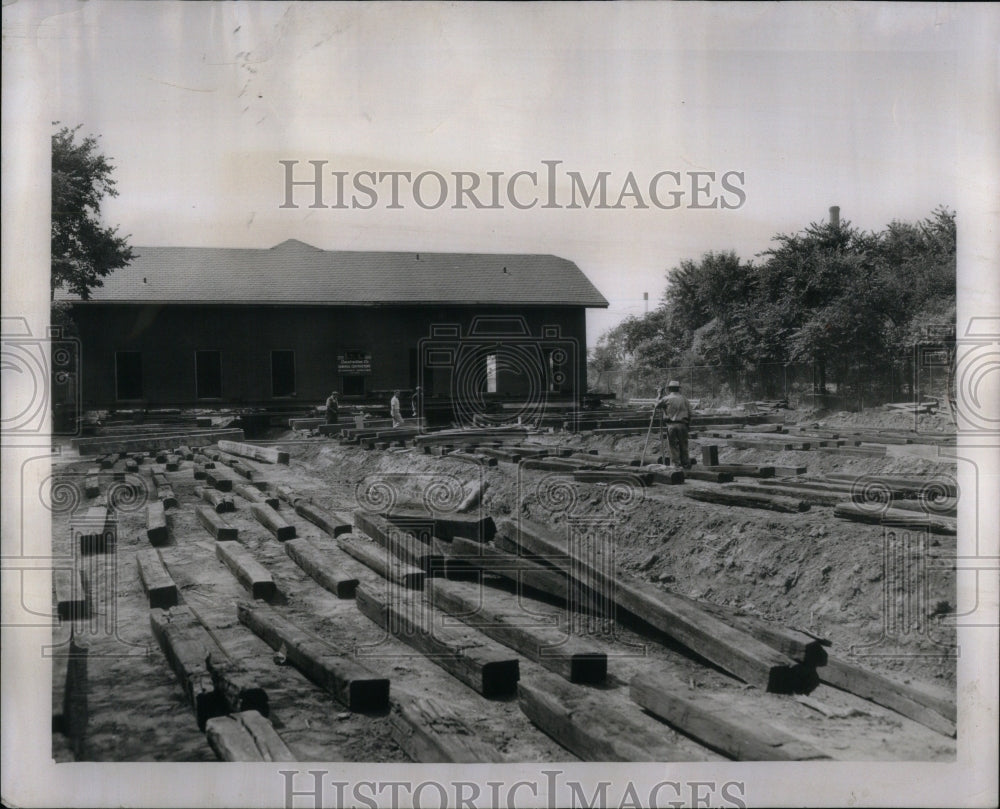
(297, 273)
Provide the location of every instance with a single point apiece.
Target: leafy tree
(83, 250)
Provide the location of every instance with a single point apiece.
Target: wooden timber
(156, 523)
(254, 495)
(332, 523)
(897, 517)
(351, 683)
(469, 656)
(265, 454)
(323, 567)
(216, 525)
(377, 558)
(430, 732)
(935, 713)
(731, 649)
(715, 723)
(400, 542)
(248, 571)
(494, 615)
(731, 497)
(105, 444)
(273, 521)
(585, 722)
(246, 736)
(160, 589)
(187, 645)
(216, 499)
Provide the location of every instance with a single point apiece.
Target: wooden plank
(670, 477)
(812, 496)
(90, 528)
(467, 655)
(165, 494)
(248, 571)
(521, 570)
(288, 494)
(445, 526)
(898, 517)
(590, 726)
(332, 523)
(187, 645)
(400, 542)
(216, 525)
(230, 740)
(352, 684)
(160, 589)
(273, 521)
(799, 646)
(235, 686)
(716, 723)
(265, 454)
(376, 557)
(156, 523)
(731, 649)
(743, 470)
(787, 471)
(173, 463)
(919, 486)
(627, 475)
(709, 476)
(331, 575)
(431, 732)
(185, 452)
(491, 613)
(216, 499)
(473, 457)
(902, 699)
(254, 495)
(70, 595)
(732, 497)
(105, 444)
(219, 478)
(271, 746)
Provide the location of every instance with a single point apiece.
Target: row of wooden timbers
(431, 566)
(918, 503)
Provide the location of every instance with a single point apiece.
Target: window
(354, 385)
(208, 374)
(128, 375)
(282, 373)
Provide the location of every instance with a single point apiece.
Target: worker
(677, 414)
(416, 402)
(397, 418)
(332, 408)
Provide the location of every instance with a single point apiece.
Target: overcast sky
(814, 105)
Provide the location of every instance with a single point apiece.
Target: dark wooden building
(186, 326)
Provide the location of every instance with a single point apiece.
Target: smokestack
(835, 216)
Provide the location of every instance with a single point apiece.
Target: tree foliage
(841, 299)
(83, 250)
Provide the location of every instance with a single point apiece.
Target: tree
(83, 250)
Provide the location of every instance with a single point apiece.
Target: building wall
(407, 345)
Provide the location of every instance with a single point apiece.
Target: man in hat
(332, 408)
(677, 415)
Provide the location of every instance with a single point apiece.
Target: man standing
(397, 418)
(677, 414)
(416, 402)
(332, 408)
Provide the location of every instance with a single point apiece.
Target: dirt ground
(810, 571)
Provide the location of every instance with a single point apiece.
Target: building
(185, 326)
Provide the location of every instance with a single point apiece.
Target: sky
(812, 106)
